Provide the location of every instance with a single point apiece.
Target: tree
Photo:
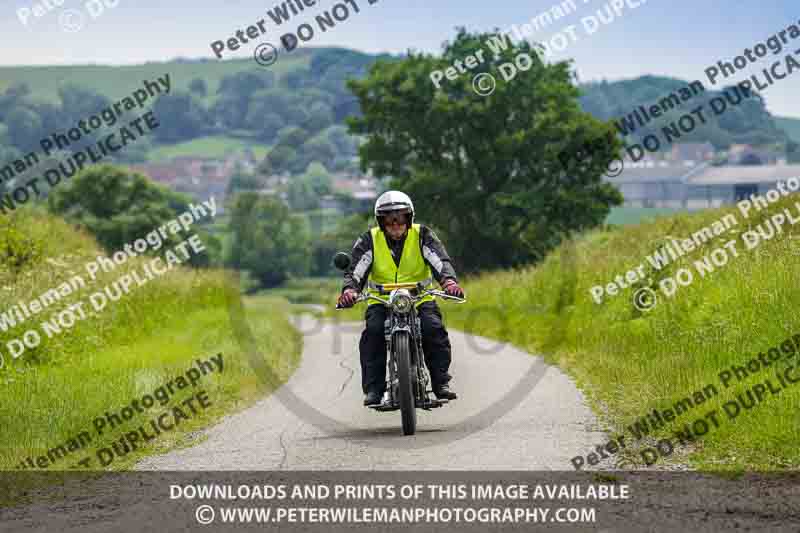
(486, 169)
(230, 111)
(297, 79)
(243, 84)
(25, 128)
(242, 181)
(278, 160)
(292, 136)
(320, 117)
(345, 143)
(267, 240)
(79, 102)
(318, 149)
(301, 194)
(339, 240)
(13, 96)
(199, 87)
(271, 123)
(181, 117)
(118, 206)
(319, 179)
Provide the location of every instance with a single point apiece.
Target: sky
(679, 38)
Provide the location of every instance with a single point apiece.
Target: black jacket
(431, 248)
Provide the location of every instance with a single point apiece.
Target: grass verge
(54, 392)
(631, 362)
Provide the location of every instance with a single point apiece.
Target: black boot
(373, 398)
(443, 392)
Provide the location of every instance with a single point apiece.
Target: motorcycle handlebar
(367, 296)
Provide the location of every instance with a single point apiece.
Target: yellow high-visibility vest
(412, 269)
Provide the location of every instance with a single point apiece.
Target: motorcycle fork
(392, 382)
(422, 375)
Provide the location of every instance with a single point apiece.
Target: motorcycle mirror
(342, 260)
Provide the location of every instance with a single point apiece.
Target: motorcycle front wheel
(406, 376)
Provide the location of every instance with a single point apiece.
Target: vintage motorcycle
(408, 378)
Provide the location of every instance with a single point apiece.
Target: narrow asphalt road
(514, 412)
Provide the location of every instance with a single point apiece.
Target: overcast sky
(679, 38)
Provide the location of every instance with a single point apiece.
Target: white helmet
(391, 201)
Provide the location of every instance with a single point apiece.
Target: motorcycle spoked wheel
(406, 376)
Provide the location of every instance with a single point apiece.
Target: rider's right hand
(348, 298)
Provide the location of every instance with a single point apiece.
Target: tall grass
(154, 334)
(630, 362)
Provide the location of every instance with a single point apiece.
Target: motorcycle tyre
(406, 375)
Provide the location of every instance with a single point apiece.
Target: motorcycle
(407, 377)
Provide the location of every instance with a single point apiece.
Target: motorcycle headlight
(402, 302)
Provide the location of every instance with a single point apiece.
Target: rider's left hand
(452, 288)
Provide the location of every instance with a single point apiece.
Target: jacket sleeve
(436, 256)
(356, 276)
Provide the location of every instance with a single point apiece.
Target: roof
(732, 175)
(365, 195)
(693, 150)
(651, 171)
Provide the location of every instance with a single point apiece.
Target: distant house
(656, 184)
(697, 152)
(361, 189)
(744, 154)
(198, 177)
(169, 173)
(729, 184)
(653, 184)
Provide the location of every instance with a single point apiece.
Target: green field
(119, 81)
(624, 216)
(308, 290)
(216, 147)
(154, 334)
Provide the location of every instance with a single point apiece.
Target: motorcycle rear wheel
(406, 375)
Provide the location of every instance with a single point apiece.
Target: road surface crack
(282, 465)
(346, 381)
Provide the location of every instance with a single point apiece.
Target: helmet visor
(396, 217)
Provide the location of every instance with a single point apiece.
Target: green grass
(308, 290)
(149, 337)
(623, 216)
(212, 147)
(790, 126)
(629, 362)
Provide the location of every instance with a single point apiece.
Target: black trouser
(435, 346)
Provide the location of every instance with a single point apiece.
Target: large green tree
(268, 240)
(340, 239)
(119, 206)
(486, 169)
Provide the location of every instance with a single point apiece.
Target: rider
(400, 251)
